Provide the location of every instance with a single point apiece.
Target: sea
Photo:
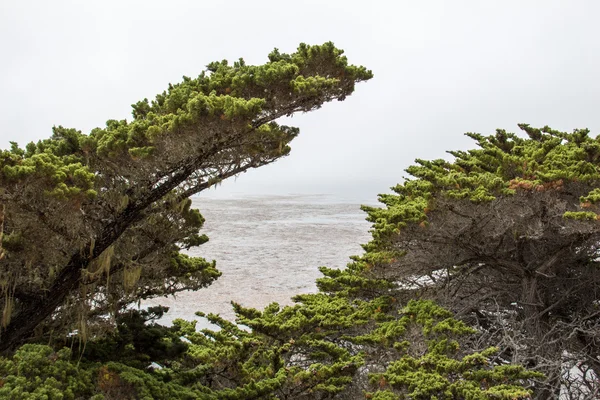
(269, 248)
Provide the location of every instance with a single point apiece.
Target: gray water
(269, 249)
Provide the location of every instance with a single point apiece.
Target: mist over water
(269, 249)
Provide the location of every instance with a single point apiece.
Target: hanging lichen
(82, 313)
(83, 328)
(9, 301)
(92, 245)
(1, 231)
(7, 310)
(52, 272)
(102, 263)
(99, 266)
(131, 276)
(182, 205)
(124, 202)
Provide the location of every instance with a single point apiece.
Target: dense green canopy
(507, 236)
(93, 222)
(325, 347)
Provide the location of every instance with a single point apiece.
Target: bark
(31, 313)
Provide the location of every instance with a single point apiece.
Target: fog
(441, 69)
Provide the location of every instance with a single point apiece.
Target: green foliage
(137, 341)
(581, 215)
(504, 164)
(317, 348)
(37, 372)
(354, 280)
(123, 191)
(96, 222)
(507, 235)
(124, 382)
(63, 177)
(438, 370)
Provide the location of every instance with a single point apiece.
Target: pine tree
(327, 346)
(507, 237)
(94, 222)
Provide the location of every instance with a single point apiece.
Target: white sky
(441, 68)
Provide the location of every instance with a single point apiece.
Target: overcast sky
(441, 68)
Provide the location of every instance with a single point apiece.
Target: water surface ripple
(269, 248)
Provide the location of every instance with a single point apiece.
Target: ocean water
(269, 249)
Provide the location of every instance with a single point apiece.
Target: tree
(95, 222)
(507, 236)
(356, 338)
(324, 347)
(38, 372)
